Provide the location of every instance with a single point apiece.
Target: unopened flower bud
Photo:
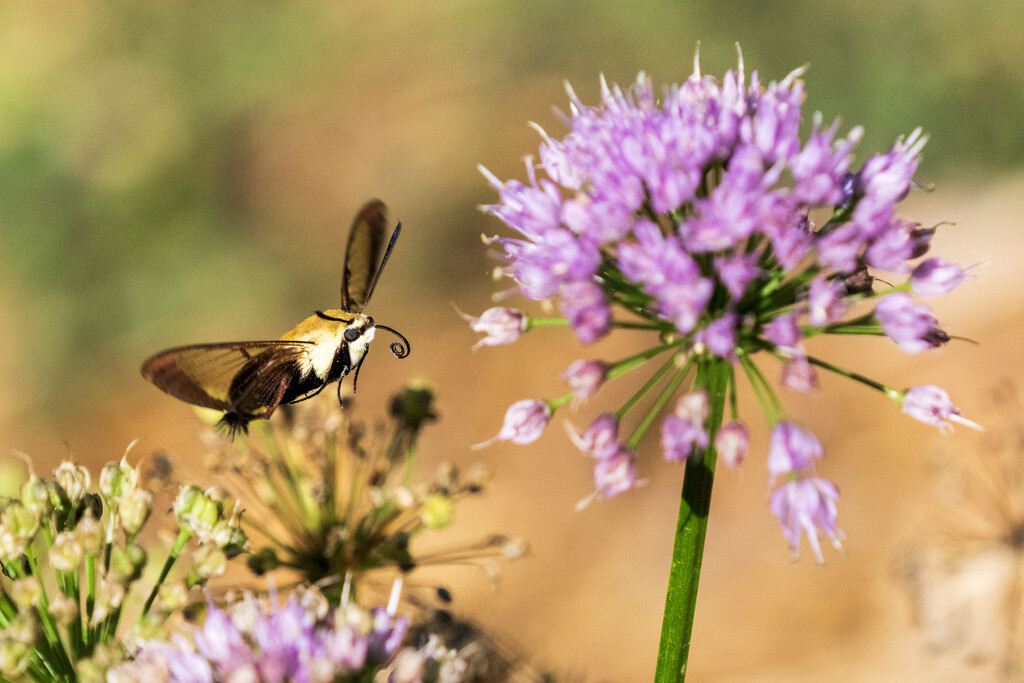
(935, 277)
(114, 477)
(109, 595)
(26, 592)
(524, 423)
(172, 596)
(585, 377)
(135, 506)
(931, 404)
(196, 511)
(126, 562)
(16, 644)
(89, 533)
(66, 553)
(615, 474)
(501, 325)
(18, 526)
(74, 479)
(208, 561)
(63, 608)
(791, 449)
(36, 496)
(437, 512)
(732, 442)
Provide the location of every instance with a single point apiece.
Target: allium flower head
(362, 505)
(691, 213)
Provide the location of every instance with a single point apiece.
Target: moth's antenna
(383, 262)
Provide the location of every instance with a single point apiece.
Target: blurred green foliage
(139, 141)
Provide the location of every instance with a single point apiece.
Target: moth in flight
(248, 380)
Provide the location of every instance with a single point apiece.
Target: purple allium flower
(736, 272)
(820, 168)
(807, 506)
(524, 423)
(252, 641)
(220, 641)
(720, 336)
(798, 375)
(935, 277)
(931, 404)
(783, 331)
(500, 325)
(585, 377)
(732, 442)
(601, 440)
(825, 302)
(792, 450)
(697, 217)
(686, 427)
(912, 327)
(615, 474)
(585, 305)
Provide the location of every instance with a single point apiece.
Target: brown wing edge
(164, 371)
(374, 215)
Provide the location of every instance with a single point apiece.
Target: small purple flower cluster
(249, 642)
(695, 214)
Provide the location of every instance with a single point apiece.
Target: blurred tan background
(186, 172)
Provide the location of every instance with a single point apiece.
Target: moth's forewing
(362, 255)
(242, 377)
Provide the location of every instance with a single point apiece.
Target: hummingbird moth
(248, 380)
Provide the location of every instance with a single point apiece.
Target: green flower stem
(687, 555)
(658, 404)
(655, 378)
(58, 656)
(532, 322)
(179, 545)
(621, 367)
(892, 393)
(770, 405)
(89, 633)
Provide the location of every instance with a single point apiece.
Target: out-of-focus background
(186, 172)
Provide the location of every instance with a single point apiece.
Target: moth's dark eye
(350, 334)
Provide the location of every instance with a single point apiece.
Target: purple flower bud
(601, 440)
(840, 248)
(736, 271)
(935, 277)
(533, 209)
(807, 506)
(686, 428)
(524, 423)
(798, 375)
(615, 474)
(886, 177)
(825, 303)
(220, 641)
(720, 336)
(586, 306)
(501, 325)
(585, 377)
(912, 327)
(931, 404)
(818, 170)
(732, 442)
(791, 450)
(892, 248)
(783, 331)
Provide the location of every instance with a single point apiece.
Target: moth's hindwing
(248, 378)
(363, 254)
